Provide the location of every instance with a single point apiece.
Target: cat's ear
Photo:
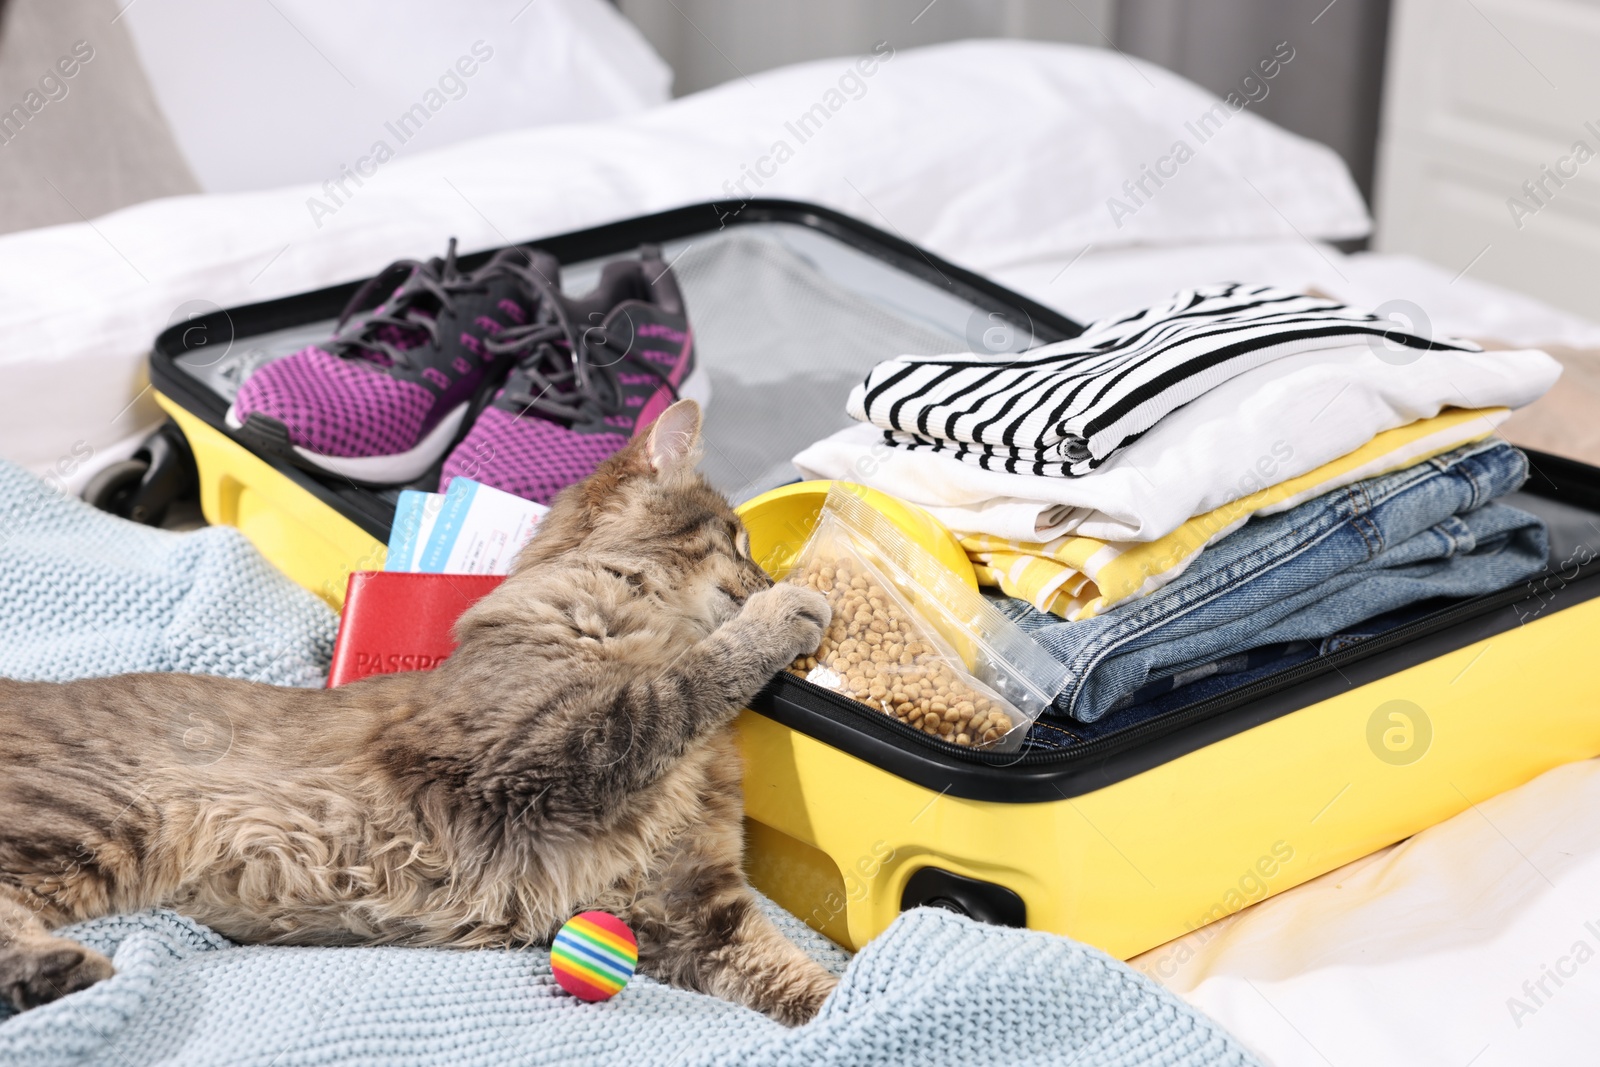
(674, 437)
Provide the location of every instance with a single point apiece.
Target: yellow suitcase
(1125, 840)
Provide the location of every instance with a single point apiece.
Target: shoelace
(437, 278)
(562, 385)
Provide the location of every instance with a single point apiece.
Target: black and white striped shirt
(1063, 409)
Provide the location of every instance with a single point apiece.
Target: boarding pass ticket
(469, 529)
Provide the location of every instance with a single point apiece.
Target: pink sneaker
(383, 399)
(591, 373)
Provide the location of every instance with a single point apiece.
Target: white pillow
(987, 152)
(265, 94)
(997, 152)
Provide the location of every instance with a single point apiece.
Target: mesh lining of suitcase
(786, 321)
(784, 345)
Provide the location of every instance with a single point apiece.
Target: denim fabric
(1176, 692)
(1055, 732)
(1316, 570)
(1196, 678)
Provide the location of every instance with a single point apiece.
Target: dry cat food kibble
(882, 659)
(910, 636)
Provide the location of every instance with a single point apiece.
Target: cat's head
(648, 503)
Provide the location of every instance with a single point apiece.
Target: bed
(1003, 157)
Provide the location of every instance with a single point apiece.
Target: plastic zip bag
(910, 639)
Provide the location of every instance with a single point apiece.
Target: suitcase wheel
(933, 887)
(145, 485)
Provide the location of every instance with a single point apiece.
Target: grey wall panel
(708, 42)
(1331, 91)
(82, 145)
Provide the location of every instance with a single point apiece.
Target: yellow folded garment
(1081, 577)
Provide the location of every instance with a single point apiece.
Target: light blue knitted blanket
(84, 594)
(934, 989)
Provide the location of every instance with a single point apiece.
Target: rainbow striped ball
(594, 955)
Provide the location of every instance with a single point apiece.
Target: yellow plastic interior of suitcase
(308, 540)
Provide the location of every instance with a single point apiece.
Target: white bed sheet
(1475, 942)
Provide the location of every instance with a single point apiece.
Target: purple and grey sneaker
(591, 374)
(382, 400)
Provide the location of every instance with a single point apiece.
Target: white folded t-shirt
(1265, 426)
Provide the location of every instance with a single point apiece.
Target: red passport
(398, 621)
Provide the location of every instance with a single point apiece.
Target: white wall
(1482, 98)
(708, 42)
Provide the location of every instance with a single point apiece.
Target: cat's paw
(35, 974)
(799, 1002)
(800, 616)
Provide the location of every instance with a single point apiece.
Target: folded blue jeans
(1175, 692)
(1307, 573)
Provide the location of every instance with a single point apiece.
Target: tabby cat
(575, 752)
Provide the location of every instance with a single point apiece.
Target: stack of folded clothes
(1200, 488)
